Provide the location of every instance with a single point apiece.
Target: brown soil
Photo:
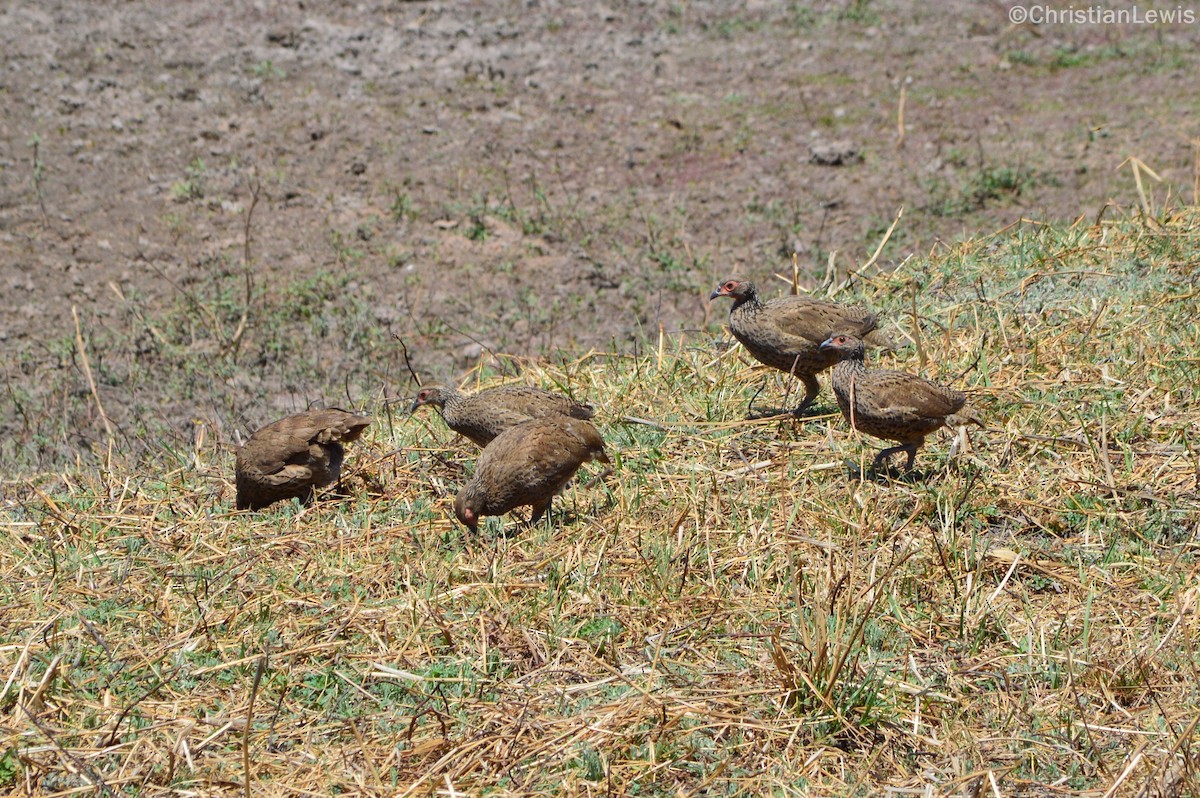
(530, 175)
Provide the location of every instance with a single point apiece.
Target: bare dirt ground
(522, 176)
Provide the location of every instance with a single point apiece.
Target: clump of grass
(307, 338)
(987, 186)
(194, 183)
(728, 613)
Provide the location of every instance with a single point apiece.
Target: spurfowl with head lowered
(891, 405)
(294, 456)
(527, 465)
(786, 333)
(484, 415)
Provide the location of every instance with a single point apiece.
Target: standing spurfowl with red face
(484, 415)
(786, 333)
(294, 456)
(527, 465)
(888, 404)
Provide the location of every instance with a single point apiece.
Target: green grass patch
(728, 613)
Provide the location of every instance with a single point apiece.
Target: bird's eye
(730, 286)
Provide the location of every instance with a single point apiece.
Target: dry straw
(729, 613)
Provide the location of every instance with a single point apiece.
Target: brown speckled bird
(484, 415)
(528, 464)
(891, 405)
(294, 456)
(786, 333)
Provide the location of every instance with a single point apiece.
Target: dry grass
(727, 614)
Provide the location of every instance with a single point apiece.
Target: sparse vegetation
(193, 184)
(727, 613)
(217, 215)
(267, 70)
(859, 12)
(986, 186)
(403, 209)
(39, 175)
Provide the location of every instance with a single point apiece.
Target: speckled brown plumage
(786, 333)
(294, 456)
(484, 415)
(527, 465)
(891, 405)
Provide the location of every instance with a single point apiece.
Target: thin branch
(407, 360)
(247, 265)
(87, 370)
(259, 669)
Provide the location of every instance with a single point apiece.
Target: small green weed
(193, 184)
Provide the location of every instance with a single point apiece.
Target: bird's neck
(852, 365)
(748, 303)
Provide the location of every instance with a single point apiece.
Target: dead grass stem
(726, 614)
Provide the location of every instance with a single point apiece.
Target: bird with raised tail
(483, 415)
(786, 333)
(891, 405)
(527, 465)
(292, 457)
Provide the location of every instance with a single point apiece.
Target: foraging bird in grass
(527, 465)
(891, 405)
(786, 333)
(294, 456)
(483, 415)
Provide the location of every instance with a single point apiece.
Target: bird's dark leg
(539, 510)
(811, 389)
(912, 456)
(882, 457)
(881, 467)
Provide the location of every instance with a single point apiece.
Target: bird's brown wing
(813, 320)
(529, 463)
(483, 416)
(256, 489)
(334, 424)
(289, 441)
(288, 476)
(536, 402)
(294, 455)
(527, 454)
(880, 339)
(903, 395)
(273, 448)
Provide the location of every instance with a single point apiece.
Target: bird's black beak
(716, 293)
(826, 345)
(416, 403)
